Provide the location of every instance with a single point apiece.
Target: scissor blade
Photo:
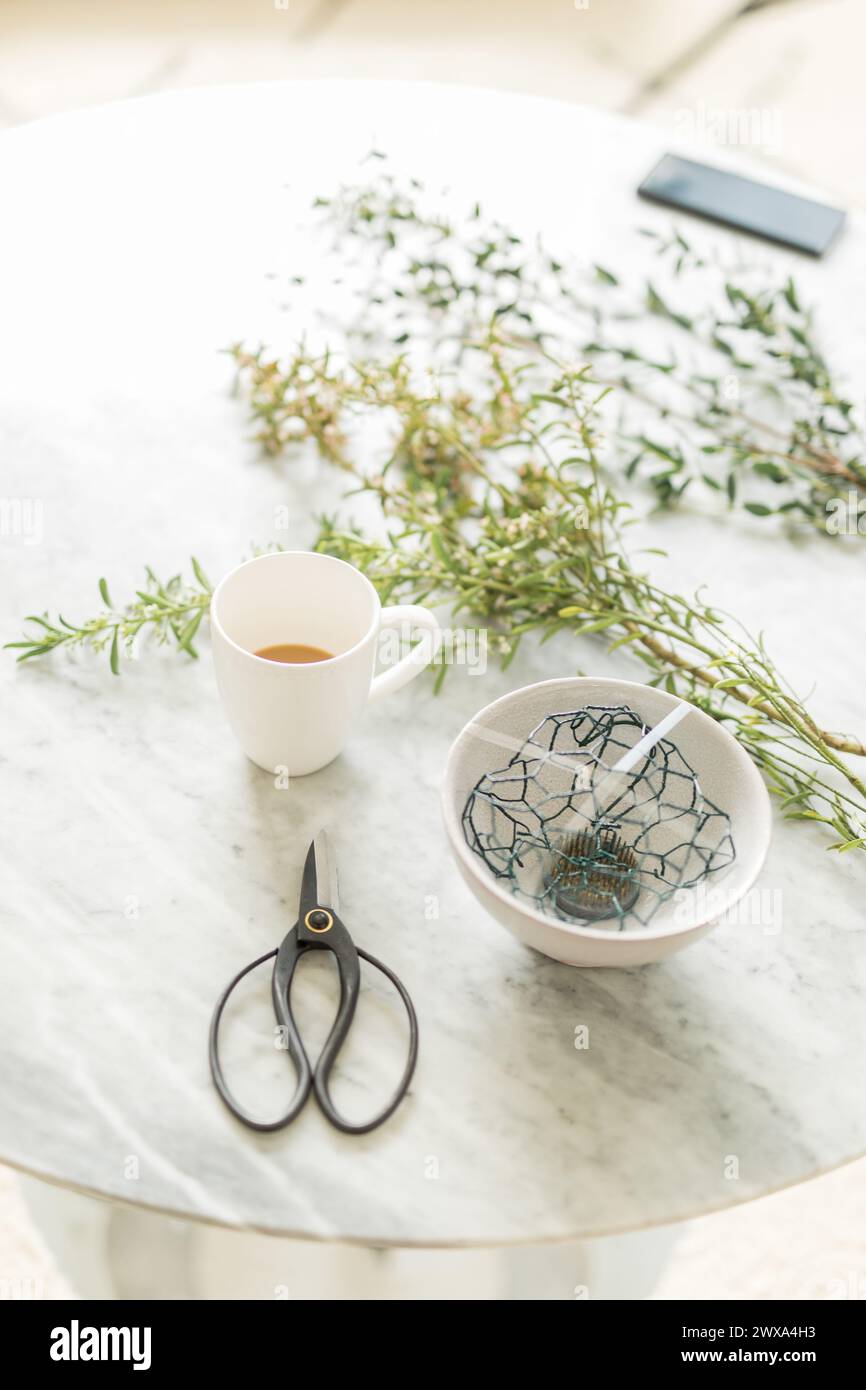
(319, 882)
(326, 872)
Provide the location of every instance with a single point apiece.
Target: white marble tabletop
(143, 860)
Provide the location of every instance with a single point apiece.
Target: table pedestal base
(116, 1251)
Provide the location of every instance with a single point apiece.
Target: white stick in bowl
(650, 739)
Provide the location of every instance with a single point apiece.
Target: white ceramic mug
(297, 716)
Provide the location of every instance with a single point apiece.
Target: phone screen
(743, 203)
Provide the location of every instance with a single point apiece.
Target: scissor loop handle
(350, 982)
(293, 1043)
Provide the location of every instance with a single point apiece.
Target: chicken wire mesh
(584, 843)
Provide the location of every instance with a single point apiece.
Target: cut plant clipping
(497, 489)
(167, 612)
(743, 402)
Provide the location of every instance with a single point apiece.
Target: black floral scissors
(318, 928)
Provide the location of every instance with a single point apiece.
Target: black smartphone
(743, 203)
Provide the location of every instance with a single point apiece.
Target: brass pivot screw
(319, 920)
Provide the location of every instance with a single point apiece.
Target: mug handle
(414, 662)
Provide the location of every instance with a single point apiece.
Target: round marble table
(144, 860)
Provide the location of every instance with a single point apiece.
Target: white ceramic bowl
(727, 777)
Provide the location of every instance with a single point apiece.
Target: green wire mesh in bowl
(588, 845)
